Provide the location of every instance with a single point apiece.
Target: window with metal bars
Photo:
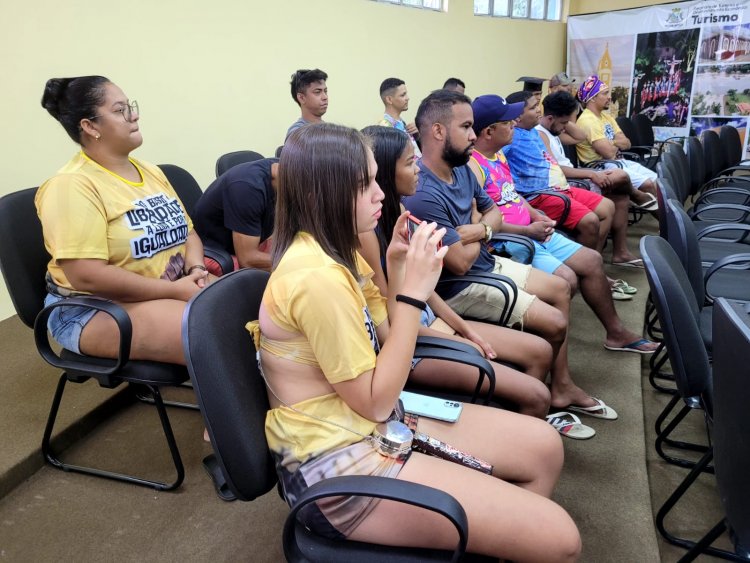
(550, 10)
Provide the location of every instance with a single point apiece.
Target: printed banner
(686, 66)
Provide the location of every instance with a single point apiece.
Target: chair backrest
(572, 154)
(683, 239)
(694, 151)
(23, 257)
(664, 193)
(676, 159)
(731, 440)
(730, 140)
(184, 184)
(645, 130)
(628, 129)
(227, 161)
(713, 155)
(277, 154)
(231, 393)
(675, 306)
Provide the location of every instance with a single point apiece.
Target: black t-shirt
(242, 200)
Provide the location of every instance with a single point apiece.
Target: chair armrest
(85, 369)
(578, 183)
(452, 351)
(555, 193)
(732, 169)
(499, 282)
(221, 256)
(518, 239)
(743, 211)
(379, 487)
(725, 262)
(600, 163)
(630, 155)
(705, 195)
(737, 182)
(722, 227)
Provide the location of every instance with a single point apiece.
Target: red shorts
(581, 202)
(213, 266)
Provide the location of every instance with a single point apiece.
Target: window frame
(491, 11)
(443, 7)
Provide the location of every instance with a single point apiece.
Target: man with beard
(449, 194)
(605, 139)
(396, 101)
(310, 93)
(614, 184)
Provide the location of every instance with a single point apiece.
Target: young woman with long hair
(397, 176)
(335, 359)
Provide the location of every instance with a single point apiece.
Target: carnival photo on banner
(685, 65)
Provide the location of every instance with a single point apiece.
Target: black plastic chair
(730, 139)
(726, 276)
(688, 357)
(716, 159)
(227, 161)
(23, 261)
(676, 283)
(731, 449)
(644, 151)
(190, 192)
(222, 362)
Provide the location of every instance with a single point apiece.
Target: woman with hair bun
(115, 228)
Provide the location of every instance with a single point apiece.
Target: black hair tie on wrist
(411, 301)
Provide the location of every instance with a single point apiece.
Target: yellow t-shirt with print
(311, 294)
(89, 212)
(596, 128)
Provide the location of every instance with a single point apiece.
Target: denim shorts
(65, 324)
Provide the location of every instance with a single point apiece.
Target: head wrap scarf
(590, 88)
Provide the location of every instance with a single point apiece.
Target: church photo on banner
(686, 65)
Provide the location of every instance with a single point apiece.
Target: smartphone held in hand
(412, 224)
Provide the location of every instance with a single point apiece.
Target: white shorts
(637, 172)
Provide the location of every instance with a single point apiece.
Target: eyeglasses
(127, 111)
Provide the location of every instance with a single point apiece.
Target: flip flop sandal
(620, 295)
(634, 263)
(632, 347)
(569, 425)
(651, 205)
(622, 285)
(599, 410)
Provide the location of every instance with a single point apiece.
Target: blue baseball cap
(490, 108)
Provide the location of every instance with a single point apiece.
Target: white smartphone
(431, 407)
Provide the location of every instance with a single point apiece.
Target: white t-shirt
(556, 146)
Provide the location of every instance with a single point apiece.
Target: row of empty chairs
(697, 273)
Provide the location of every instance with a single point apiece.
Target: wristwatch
(487, 231)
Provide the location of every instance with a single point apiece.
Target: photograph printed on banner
(725, 44)
(700, 124)
(611, 59)
(663, 76)
(722, 90)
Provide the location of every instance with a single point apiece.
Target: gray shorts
(65, 324)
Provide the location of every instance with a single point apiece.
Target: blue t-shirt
(533, 167)
(449, 205)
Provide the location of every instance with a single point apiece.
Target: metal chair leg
(656, 362)
(177, 404)
(55, 461)
(662, 436)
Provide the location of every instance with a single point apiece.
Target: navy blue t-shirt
(449, 205)
(242, 200)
